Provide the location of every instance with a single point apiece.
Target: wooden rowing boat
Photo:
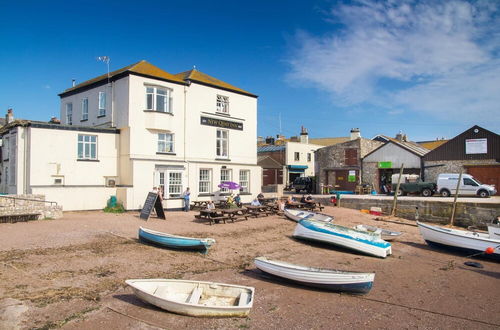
(195, 298)
(385, 234)
(174, 241)
(298, 214)
(327, 279)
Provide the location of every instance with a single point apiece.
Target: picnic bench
(212, 215)
(199, 205)
(258, 210)
(236, 213)
(313, 206)
(294, 205)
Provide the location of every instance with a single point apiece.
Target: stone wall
(466, 214)
(370, 174)
(333, 157)
(29, 204)
(434, 168)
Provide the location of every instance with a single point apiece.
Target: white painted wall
(303, 149)
(395, 154)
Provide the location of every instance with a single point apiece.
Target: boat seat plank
(161, 291)
(195, 296)
(243, 299)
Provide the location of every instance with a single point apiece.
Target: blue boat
(360, 241)
(174, 241)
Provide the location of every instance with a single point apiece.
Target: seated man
(210, 205)
(237, 200)
(260, 197)
(303, 199)
(255, 202)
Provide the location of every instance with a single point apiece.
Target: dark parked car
(303, 183)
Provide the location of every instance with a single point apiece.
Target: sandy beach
(69, 273)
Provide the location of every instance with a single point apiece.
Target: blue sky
(428, 68)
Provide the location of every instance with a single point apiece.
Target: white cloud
(441, 58)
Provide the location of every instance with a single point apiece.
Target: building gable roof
(146, 69)
(454, 148)
(431, 145)
(204, 79)
(268, 162)
(329, 141)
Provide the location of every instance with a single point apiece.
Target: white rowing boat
(195, 298)
(328, 279)
(385, 234)
(460, 239)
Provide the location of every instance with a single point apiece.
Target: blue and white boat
(326, 279)
(174, 241)
(360, 241)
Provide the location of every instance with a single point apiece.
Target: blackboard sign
(152, 200)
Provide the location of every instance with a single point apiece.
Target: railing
(27, 199)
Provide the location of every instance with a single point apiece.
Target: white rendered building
(137, 128)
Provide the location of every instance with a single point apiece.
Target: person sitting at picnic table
(210, 205)
(230, 201)
(281, 205)
(260, 197)
(237, 200)
(309, 199)
(255, 202)
(290, 199)
(303, 199)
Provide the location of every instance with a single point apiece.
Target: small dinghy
(385, 234)
(195, 298)
(469, 241)
(298, 214)
(360, 241)
(327, 279)
(173, 241)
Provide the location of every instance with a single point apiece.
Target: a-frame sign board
(152, 201)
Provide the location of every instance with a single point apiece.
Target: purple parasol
(229, 185)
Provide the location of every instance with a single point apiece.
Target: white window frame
(174, 183)
(205, 181)
(225, 176)
(152, 105)
(222, 143)
(85, 108)
(245, 181)
(86, 141)
(102, 102)
(222, 104)
(69, 113)
(164, 143)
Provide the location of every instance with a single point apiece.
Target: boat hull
(325, 279)
(172, 241)
(363, 242)
(161, 293)
(386, 235)
(297, 215)
(458, 239)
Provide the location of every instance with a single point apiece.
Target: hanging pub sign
(221, 123)
(476, 146)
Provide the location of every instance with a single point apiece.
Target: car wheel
(400, 193)
(483, 193)
(445, 193)
(426, 193)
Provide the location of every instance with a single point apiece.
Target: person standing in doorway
(185, 196)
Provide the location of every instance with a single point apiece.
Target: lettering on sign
(221, 123)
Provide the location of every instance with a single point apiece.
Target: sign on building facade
(476, 146)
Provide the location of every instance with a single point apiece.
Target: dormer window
(158, 99)
(222, 104)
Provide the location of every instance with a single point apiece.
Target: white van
(447, 185)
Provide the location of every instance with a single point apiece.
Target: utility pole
(393, 213)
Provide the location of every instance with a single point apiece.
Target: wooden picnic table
(212, 215)
(235, 213)
(312, 206)
(292, 205)
(199, 205)
(257, 210)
